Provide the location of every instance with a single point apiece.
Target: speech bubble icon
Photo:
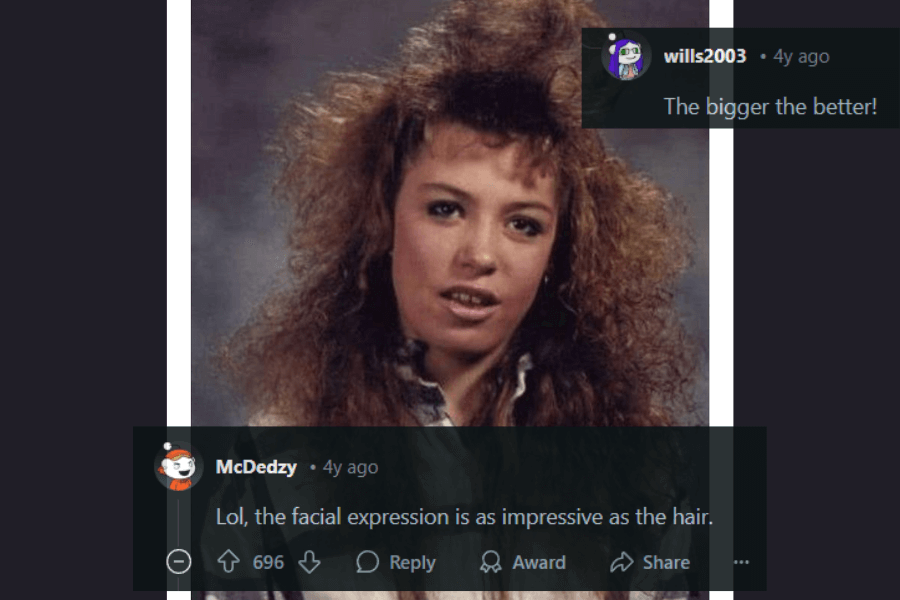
(359, 562)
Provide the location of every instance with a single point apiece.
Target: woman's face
(473, 231)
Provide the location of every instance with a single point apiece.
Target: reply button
(412, 564)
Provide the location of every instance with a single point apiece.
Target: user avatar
(626, 59)
(178, 467)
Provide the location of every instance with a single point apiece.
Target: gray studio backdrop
(248, 57)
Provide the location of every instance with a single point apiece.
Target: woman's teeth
(466, 298)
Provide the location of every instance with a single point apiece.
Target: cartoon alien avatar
(178, 465)
(626, 59)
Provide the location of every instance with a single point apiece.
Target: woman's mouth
(470, 304)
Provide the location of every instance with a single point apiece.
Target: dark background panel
(813, 307)
(594, 469)
(808, 79)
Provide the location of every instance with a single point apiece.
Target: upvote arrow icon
(623, 562)
(309, 562)
(228, 559)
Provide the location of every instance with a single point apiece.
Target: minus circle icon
(176, 564)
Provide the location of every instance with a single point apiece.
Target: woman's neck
(460, 377)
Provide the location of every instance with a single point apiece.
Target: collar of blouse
(430, 407)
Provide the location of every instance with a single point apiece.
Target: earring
(546, 279)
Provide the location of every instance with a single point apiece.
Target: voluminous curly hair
(605, 340)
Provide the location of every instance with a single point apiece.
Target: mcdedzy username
(249, 467)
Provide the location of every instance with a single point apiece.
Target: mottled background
(248, 57)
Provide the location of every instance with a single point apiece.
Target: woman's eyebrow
(446, 187)
(522, 205)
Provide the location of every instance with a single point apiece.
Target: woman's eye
(444, 209)
(528, 227)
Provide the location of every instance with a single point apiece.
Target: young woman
(463, 251)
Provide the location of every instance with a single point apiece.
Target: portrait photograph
(396, 219)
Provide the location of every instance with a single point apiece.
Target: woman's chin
(467, 347)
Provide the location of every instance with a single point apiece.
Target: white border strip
(721, 13)
(178, 216)
(721, 266)
(721, 277)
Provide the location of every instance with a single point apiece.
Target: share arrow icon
(309, 562)
(623, 562)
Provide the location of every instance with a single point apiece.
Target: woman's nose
(478, 252)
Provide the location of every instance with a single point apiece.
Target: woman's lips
(470, 304)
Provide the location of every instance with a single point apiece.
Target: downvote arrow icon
(309, 562)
